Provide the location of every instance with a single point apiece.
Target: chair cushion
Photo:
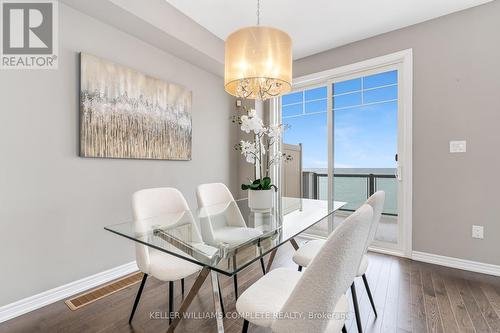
(267, 296)
(305, 254)
(166, 267)
(341, 310)
(235, 235)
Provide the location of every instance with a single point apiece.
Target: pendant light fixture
(258, 62)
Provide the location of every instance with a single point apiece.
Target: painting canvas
(127, 114)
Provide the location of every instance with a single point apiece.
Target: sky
(365, 122)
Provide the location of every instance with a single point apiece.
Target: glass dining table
(225, 238)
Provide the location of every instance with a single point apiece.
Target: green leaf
(245, 187)
(266, 183)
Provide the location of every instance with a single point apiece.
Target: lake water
(354, 190)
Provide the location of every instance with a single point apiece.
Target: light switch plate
(458, 146)
(478, 231)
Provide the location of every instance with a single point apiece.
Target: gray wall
(54, 204)
(456, 96)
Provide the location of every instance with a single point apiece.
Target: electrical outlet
(478, 231)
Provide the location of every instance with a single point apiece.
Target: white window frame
(403, 62)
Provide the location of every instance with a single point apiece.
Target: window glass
(380, 94)
(316, 106)
(347, 86)
(292, 110)
(316, 93)
(381, 79)
(311, 131)
(346, 100)
(292, 98)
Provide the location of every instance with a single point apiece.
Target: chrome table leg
(189, 298)
(217, 304)
(294, 244)
(271, 259)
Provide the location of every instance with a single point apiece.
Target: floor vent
(93, 295)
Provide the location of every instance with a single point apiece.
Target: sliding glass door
(350, 128)
(304, 114)
(365, 109)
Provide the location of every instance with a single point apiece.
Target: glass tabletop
(225, 237)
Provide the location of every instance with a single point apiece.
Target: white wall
(53, 203)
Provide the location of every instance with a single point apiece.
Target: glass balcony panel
(323, 188)
(353, 190)
(390, 187)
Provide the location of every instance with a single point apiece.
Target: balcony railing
(352, 188)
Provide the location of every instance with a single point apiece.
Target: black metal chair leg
(300, 268)
(138, 297)
(245, 326)
(235, 281)
(262, 266)
(369, 294)
(221, 301)
(170, 301)
(344, 330)
(182, 287)
(356, 308)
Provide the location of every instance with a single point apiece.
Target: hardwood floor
(410, 297)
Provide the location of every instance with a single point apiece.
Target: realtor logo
(29, 34)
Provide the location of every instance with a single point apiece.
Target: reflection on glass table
(237, 237)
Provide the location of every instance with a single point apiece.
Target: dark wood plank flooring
(410, 297)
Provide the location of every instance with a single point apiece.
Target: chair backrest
(329, 275)
(376, 201)
(213, 194)
(217, 200)
(148, 205)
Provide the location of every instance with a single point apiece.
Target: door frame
(403, 61)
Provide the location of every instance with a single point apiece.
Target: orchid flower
(259, 151)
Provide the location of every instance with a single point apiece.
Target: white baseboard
(31, 303)
(466, 265)
(388, 251)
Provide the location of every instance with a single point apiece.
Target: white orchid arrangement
(259, 150)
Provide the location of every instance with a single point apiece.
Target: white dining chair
(289, 301)
(161, 205)
(226, 225)
(305, 254)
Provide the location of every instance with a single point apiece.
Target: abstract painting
(127, 114)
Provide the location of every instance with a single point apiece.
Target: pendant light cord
(258, 12)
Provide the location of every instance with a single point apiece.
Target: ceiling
(318, 25)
